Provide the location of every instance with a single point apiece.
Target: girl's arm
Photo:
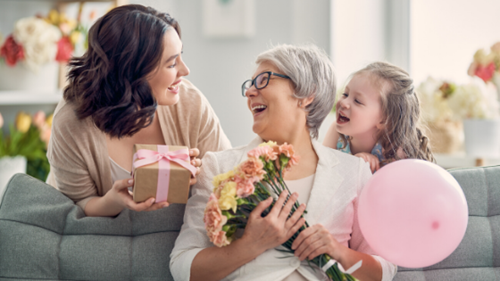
(331, 137)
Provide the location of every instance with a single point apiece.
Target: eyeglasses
(260, 82)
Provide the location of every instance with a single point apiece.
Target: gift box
(162, 172)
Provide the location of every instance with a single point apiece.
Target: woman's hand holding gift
(118, 198)
(277, 227)
(193, 153)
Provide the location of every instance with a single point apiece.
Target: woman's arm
(331, 137)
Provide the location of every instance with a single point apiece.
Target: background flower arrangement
(486, 65)
(39, 40)
(29, 137)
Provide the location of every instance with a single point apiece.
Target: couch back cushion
(478, 255)
(44, 235)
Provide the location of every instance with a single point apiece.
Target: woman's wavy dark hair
(109, 82)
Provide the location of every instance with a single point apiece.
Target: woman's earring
(300, 104)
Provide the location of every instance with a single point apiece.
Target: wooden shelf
(28, 97)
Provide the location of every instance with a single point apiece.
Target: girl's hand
(193, 153)
(120, 196)
(371, 159)
(314, 241)
(262, 233)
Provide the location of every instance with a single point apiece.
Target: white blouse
(118, 172)
(303, 187)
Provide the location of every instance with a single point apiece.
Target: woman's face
(275, 110)
(165, 80)
(359, 110)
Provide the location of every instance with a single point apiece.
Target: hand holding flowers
(245, 198)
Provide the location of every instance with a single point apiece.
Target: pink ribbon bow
(163, 157)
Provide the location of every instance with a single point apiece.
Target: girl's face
(359, 110)
(165, 80)
(274, 108)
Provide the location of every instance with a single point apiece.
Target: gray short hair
(313, 75)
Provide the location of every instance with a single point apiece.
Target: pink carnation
(286, 149)
(245, 187)
(213, 218)
(252, 167)
(294, 160)
(219, 239)
(265, 151)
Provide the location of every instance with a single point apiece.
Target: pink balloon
(413, 213)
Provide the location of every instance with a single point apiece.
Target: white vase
(482, 138)
(20, 78)
(10, 166)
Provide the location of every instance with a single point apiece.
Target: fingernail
(152, 201)
(130, 181)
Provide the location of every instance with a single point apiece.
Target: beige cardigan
(78, 154)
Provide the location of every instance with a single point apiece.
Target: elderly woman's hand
(193, 153)
(277, 227)
(314, 241)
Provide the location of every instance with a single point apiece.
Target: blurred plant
(29, 137)
(447, 101)
(39, 40)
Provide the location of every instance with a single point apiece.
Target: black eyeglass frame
(244, 90)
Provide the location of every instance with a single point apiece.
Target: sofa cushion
(44, 235)
(478, 255)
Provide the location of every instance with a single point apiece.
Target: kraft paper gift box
(156, 176)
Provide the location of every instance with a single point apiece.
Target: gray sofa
(44, 236)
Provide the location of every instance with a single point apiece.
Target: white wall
(447, 33)
(359, 35)
(219, 66)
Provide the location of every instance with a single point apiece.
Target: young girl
(377, 117)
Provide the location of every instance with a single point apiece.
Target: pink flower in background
(39, 119)
(485, 72)
(64, 49)
(45, 134)
(12, 51)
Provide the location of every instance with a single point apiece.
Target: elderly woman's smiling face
(275, 110)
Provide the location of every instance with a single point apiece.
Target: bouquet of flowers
(29, 137)
(237, 192)
(39, 40)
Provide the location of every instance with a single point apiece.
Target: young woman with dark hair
(126, 89)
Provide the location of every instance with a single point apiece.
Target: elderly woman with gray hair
(290, 94)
